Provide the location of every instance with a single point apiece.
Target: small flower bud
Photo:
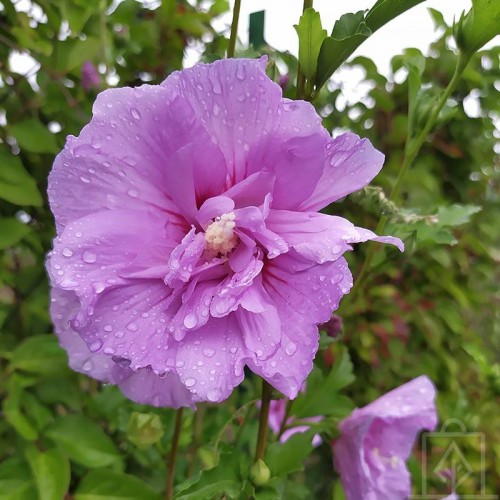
(260, 473)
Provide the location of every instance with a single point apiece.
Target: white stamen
(220, 236)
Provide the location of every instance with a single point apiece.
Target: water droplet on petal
(67, 252)
(135, 113)
(89, 257)
(95, 346)
(133, 193)
(291, 348)
(87, 366)
(190, 382)
(190, 321)
(214, 394)
(208, 352)
(132, 327)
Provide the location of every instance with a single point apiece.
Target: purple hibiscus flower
(376, 441)
(188, 245)
(277, 414)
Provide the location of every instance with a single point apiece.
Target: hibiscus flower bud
(260, 473)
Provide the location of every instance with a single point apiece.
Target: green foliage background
(432, 310)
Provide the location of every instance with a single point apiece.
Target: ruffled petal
(304, 295)
(376, 441)
(64, 305)
(256, 129)
(130, 323)
(230, 292)
(259, 321)
(351, 163)
(184, 258)
(120, 157)
(211, 359)
(318, 237)
(96, 252)
(145, 387)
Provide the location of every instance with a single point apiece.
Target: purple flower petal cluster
(376, 441)
(188, 244)
(277, 414)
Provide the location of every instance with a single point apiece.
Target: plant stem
(234, 29)
(197, 433)
(410, 154)
(288, 408)
(263, 418)
(301, 79)
(169, 483)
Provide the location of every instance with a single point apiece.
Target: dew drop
(87, 366)
(190, 321)
(95, 346)
(214, 394)
(190, 382)
(208, 352)
(84, 179)
(89, 257)
(291, 348)
(108, 328)
(67, 252)
(135, 113)
(133, 193)
(132, 327)
(119, 334)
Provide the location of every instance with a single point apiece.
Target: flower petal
(64, 305)
(259, 321)
(211, 359)
(131, 322)
(120, 156)
(305, 295)
(145, 387)
(377, 439)
(95, 252)
(318, 237)
(351, 163)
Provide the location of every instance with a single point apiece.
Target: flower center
(220, 236)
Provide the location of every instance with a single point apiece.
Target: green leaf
(12, 232)
(479, 26)
(13, 411)
(16, 482)
(386, 10)
(39, 354)
(224, 478)
(16, 185)
(456, 215)
(348, 33)
(84, 441)
(77, 15)
(287, 457)
(351, 30)
(73, 52)
(51, 471)
(33, 136)
(321, 397)
(111, 485)
(311, 36)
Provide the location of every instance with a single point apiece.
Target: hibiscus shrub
(187, 259)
